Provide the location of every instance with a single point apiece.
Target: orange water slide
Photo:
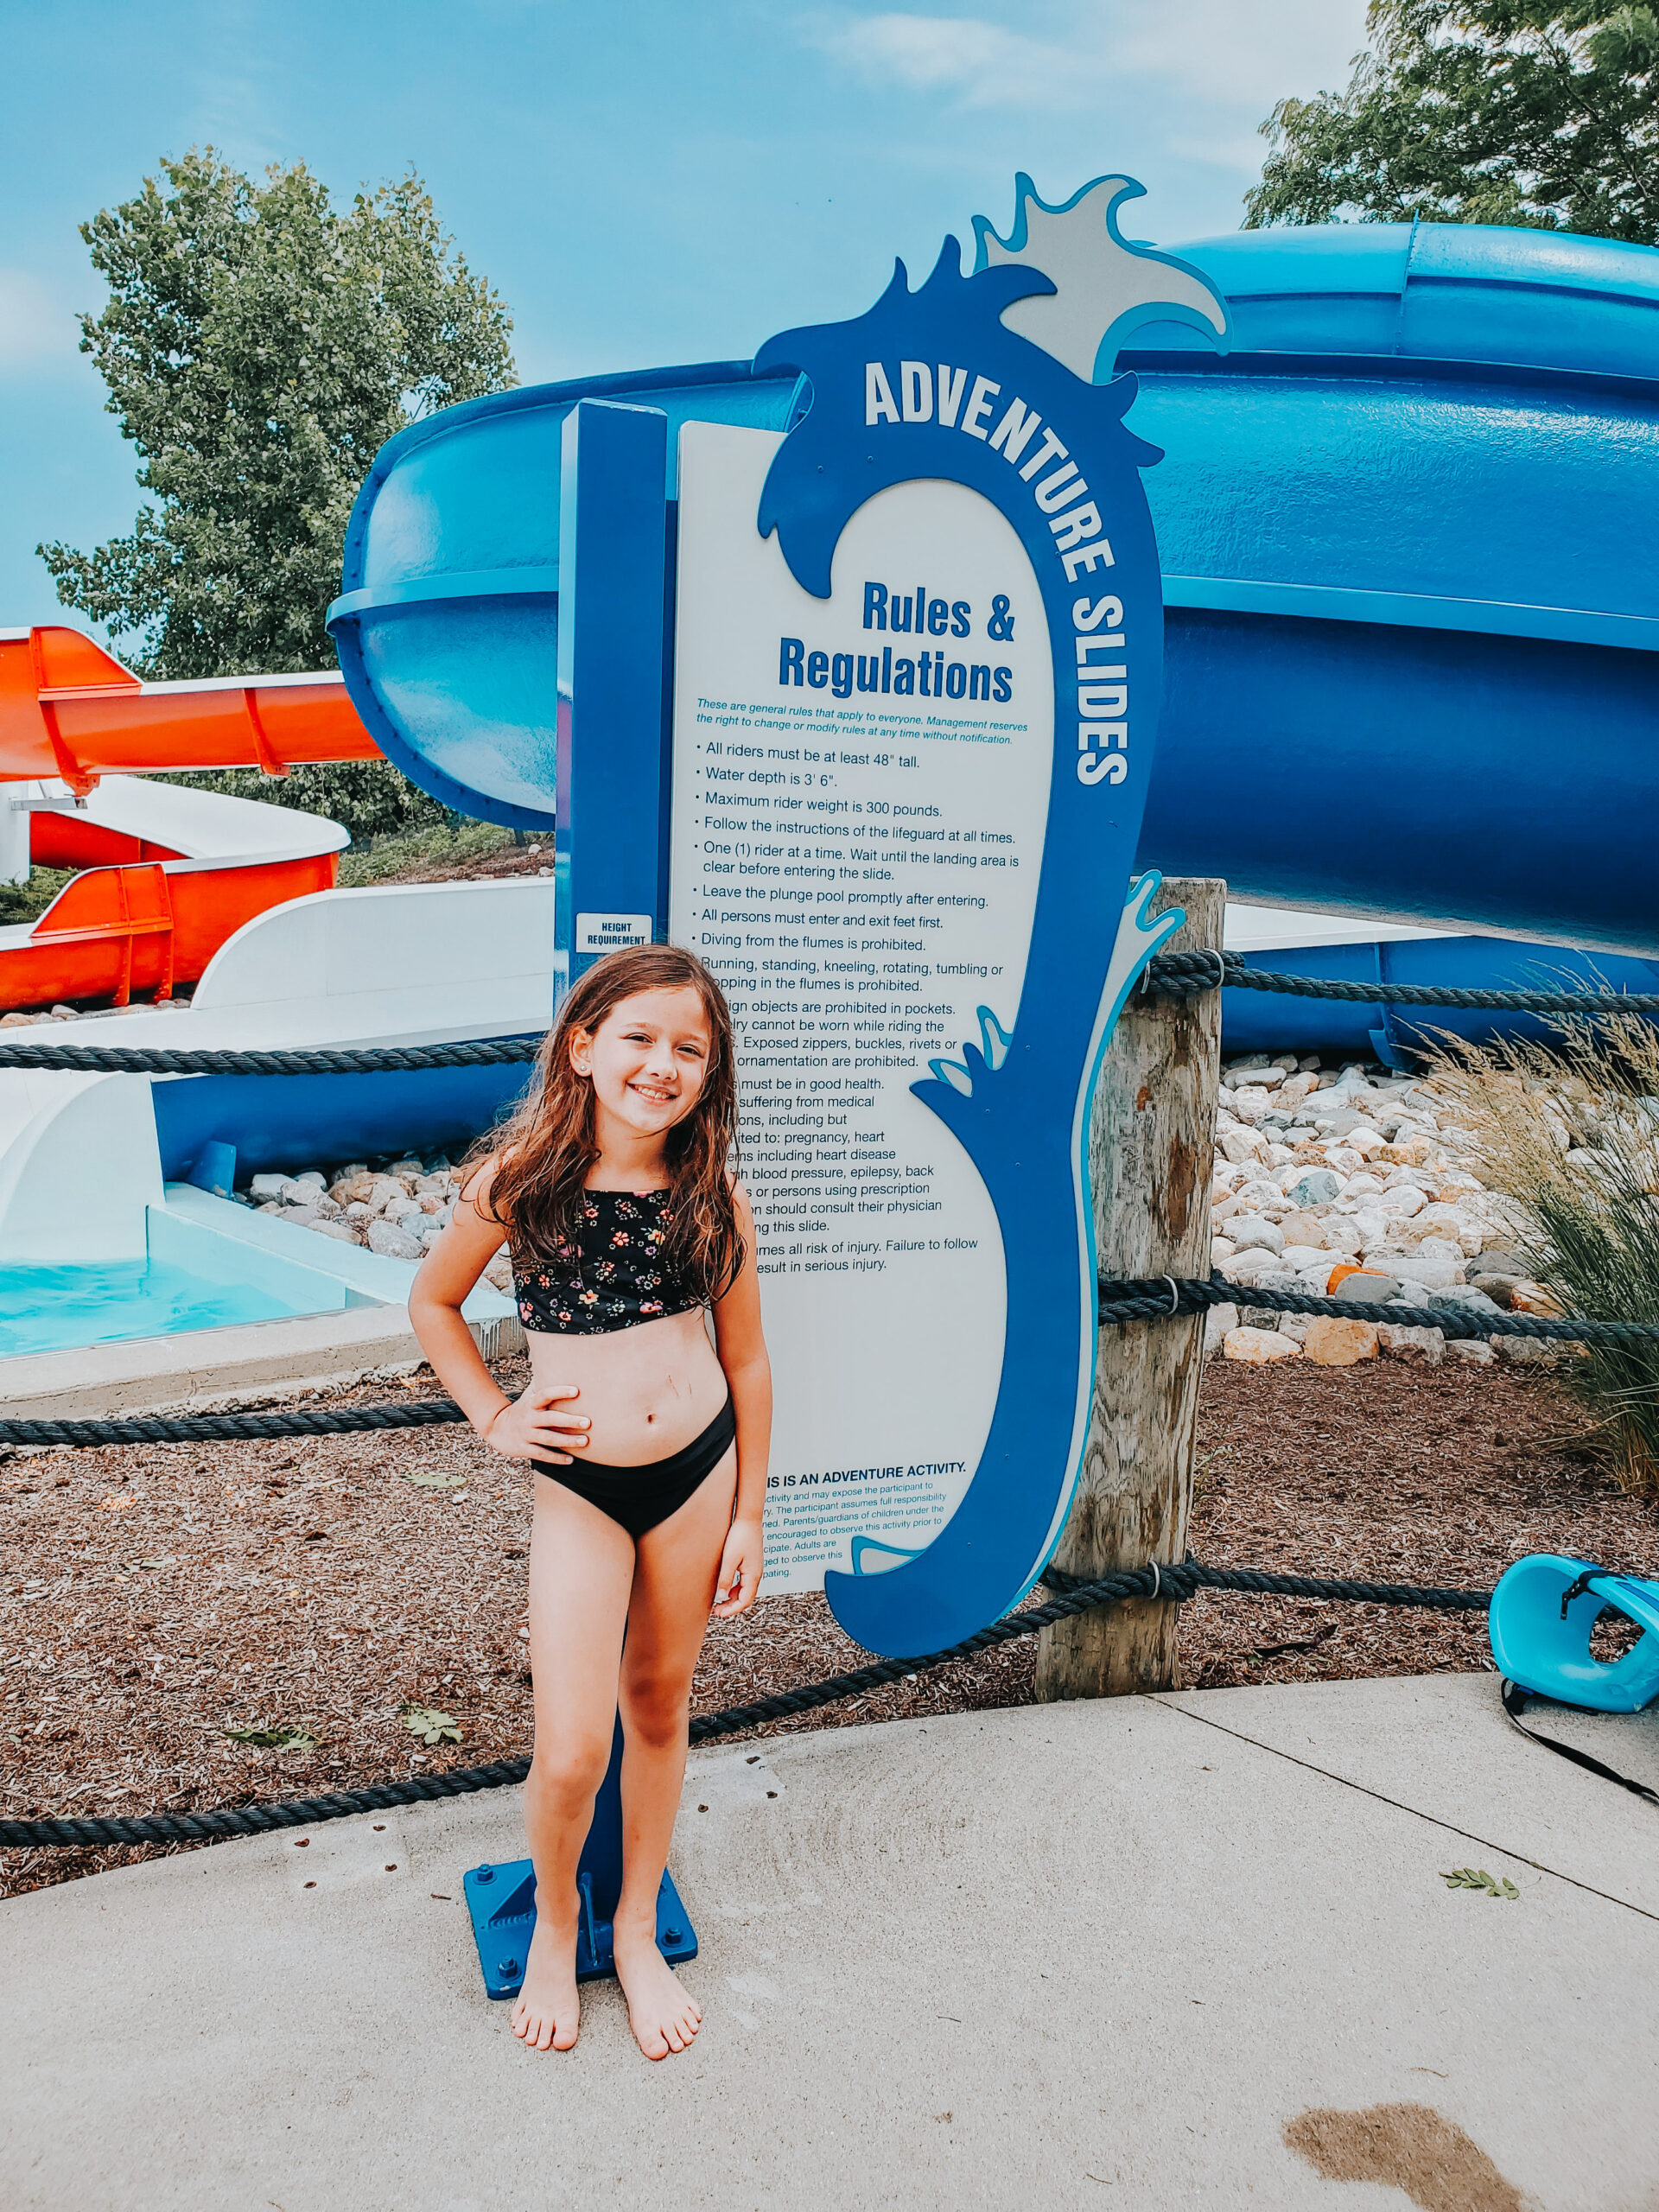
(162, 888)
(70, 709)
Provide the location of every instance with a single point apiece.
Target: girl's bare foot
(548, 2013)
(662, 2012)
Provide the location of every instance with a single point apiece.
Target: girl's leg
(675, 1568)
(581, 1567)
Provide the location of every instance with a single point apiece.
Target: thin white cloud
(985, 64)
(1223, 54)
(35, 326)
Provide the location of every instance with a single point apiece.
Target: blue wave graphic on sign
(1049, 448)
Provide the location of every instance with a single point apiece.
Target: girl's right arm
(527, 1427)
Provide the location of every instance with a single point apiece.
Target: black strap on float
(1515, 1704)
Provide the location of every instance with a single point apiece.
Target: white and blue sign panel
(859, 866)
(918, 663)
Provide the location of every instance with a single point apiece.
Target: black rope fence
(1168, 974)
(1164, 1298)
(1183, 975)
(217, 1428)
(368, 1059)
(1173, 1584)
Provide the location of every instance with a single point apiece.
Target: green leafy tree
(1514, 112)
(259, 346)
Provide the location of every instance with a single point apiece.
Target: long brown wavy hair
(543, 1154)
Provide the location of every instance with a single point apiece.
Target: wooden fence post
(1151, 1153)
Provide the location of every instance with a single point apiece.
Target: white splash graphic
(1104, 289)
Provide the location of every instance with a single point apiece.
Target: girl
(626, 1226)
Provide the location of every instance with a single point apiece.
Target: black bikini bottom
(637, 1499)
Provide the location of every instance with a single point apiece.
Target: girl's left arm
(742, 1350)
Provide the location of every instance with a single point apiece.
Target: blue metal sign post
(611, 841)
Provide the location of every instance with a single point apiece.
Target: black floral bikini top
(612, 1276)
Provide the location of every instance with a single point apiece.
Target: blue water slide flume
(1410, 666)
(1408, 639)
(446, 625)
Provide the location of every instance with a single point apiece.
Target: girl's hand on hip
(738, 1581)
(529, 1427)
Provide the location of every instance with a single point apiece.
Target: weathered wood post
(1150, 1151)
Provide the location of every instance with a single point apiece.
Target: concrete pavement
(1091, 1952)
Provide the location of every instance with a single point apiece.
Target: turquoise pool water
(55, 1309)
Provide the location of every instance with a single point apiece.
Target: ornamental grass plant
(1568, 1135)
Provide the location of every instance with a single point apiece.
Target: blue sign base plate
(502, 1902)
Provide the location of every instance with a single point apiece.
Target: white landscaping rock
(1218, 1322)
(394, 1243)
(1401, 1204)
(1436, 1224)
(1242, 1144)
(1246, 1266)
(1249, 1233)
(1528, 1351)
(1259, 1347)
(335, 1229)
(1396, 1341)
(1307, 1230)
(1307, 1187)
(267, 1186)
(1471, 1351)
(315, 1201)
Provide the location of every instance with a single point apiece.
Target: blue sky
(644, 183)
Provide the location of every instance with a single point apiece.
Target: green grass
(402, 852)
(26, 902)
(1570, 1136)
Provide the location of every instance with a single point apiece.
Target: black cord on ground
(1176, 1583)
(1515, 1704)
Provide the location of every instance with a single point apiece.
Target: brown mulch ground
(159, 1595)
